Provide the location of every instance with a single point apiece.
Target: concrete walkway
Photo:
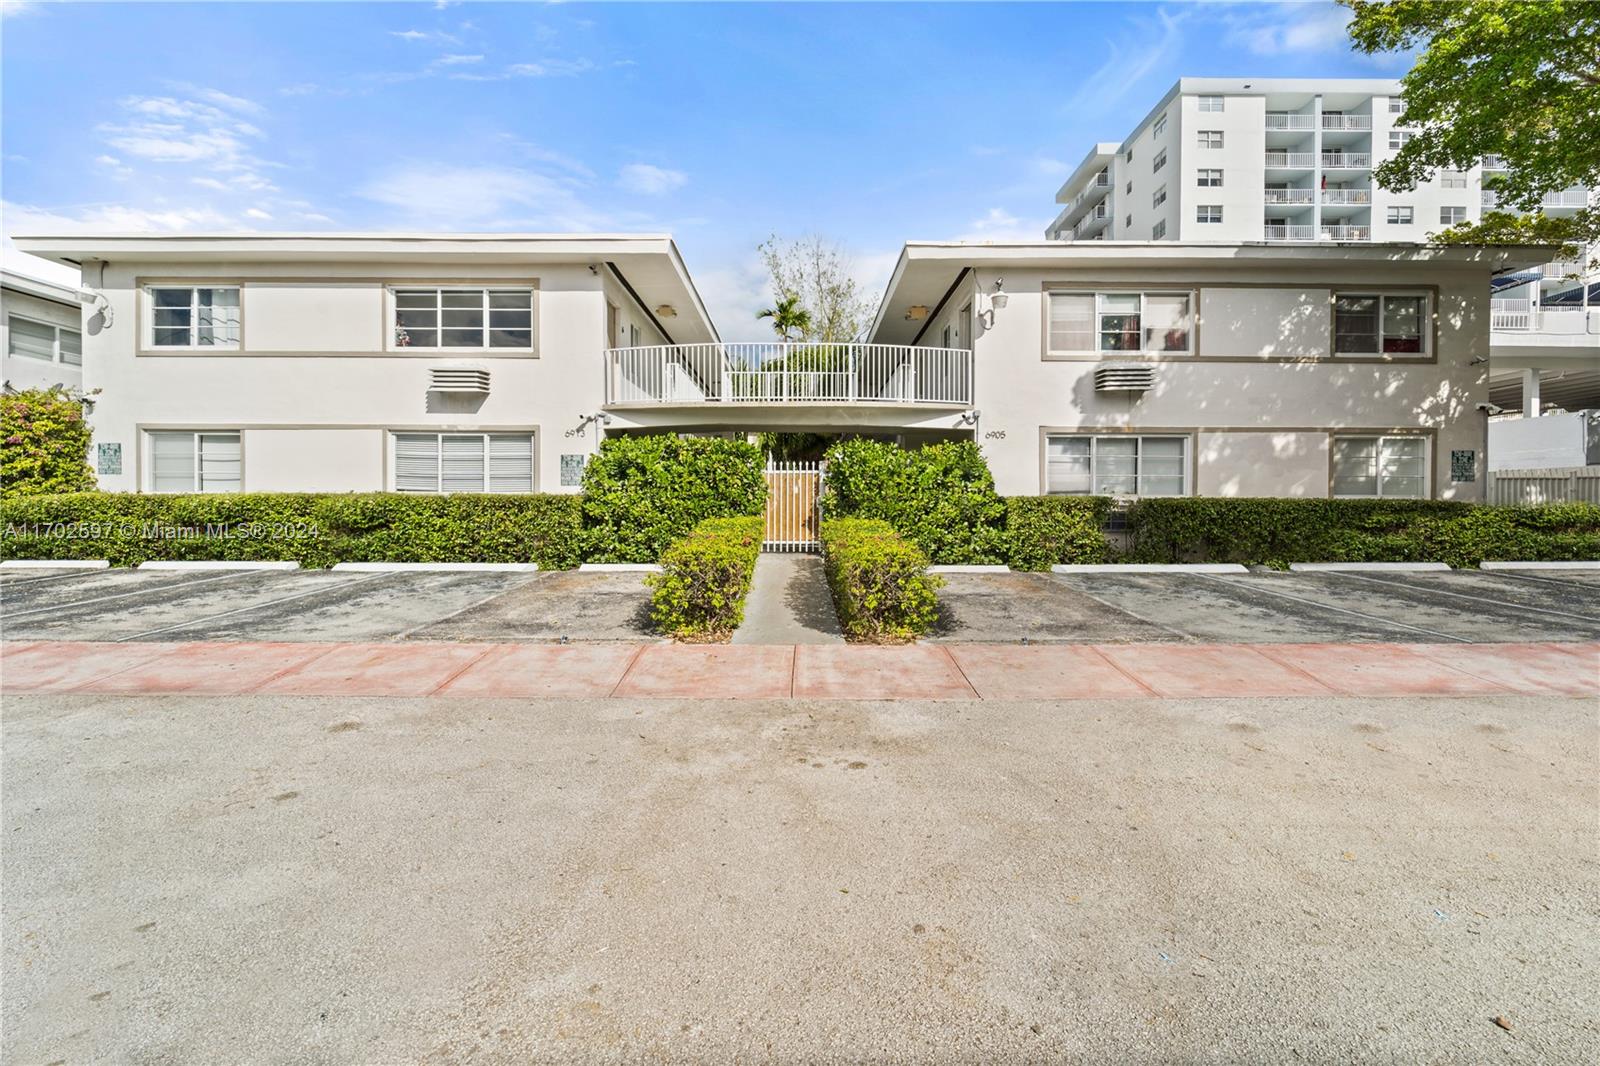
(785, 671)
(789, 603)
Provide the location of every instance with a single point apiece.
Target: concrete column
(1530, 392)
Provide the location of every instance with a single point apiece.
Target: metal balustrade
(1291, 233)
(1346, 160)
(1346, 196)
(788, 373)
(1347, 122)
(1295, 160)
(1347, 233)
(1288, 120)
(1289, 196)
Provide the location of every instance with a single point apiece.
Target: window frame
(1425, 325)
(1380, 438)
(1202, 182)
(1205, 102)
(1094, 436)
(1158, 231)
(1202, 213)
(1452, 209)
(393, 327)
(1097, 327)
(147, 339)
(485, 436)
(1203, 138)
(1400, 215)
(55, 343)
(1159, 126)
(1398, 139)
(1158, 197)
(1159, 161)
(197, 484)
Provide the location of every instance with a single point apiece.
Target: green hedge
(1042, 531)
(880, 582)
(44, 443)
(316, 529)
(1276, 532)
(642, 493)
(700, 595)
(940, 497)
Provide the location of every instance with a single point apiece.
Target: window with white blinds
(1120, 322)
(41, 340)
(1116, 465)
(463, 462)
(195, 461)
(1385, 467)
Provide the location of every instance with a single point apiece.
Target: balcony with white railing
(1346, 160)
(1290, 160)
(1289, 197)
(1290, 233)
(1346, 233)
(1098, 218)
(1562, 268)
(1289, 120)
(1347, 197)
(1493, 164)
(1566, 198)
(693, 375)
(1347, 122)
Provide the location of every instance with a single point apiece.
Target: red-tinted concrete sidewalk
(858, 672)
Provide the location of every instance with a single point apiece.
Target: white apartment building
(41, 333)
(497, 363)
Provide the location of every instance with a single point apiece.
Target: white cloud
(187, 131)
(257, 213)
(95, 218)
(304, 88)
(435, 195)
(1279, 29)
(544, 68)
(1153, 44)
(650, 180)
(456, 60)
(419, 35)
(999, 226)
(8, 8)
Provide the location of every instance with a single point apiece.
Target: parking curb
(438, 568)
(1575, 564)
(1148, 568)
(1312, 568)
(55, 564)
(215, 564)
(970, 568)
(620, 568)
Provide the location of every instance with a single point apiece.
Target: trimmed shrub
(880, 582)
(700, 596)
(1276, 532)
(940, 497)
(44, 444)
(315, 529)
(642, 493)
(1042, 531)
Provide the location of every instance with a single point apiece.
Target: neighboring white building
(41, 333)
(496, 362)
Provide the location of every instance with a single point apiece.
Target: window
(1396, 105)
(194, 461)
(1385, 467)
(1210, 138)
(1159, 161)
(1160, 126)
(1120, 321)
(42, 340)
(1398, 138)
(1209, 179)
(1400, 216)
(1208, 213)
(1127, 156)
(1158, 197)
(1128, 188)
(463, 462)
(1159, 230)
(1370, 324)
(1449, 216)
(1210, 103)
(1118, 464)
(1452, 179)
(206, 317)
(463, 318)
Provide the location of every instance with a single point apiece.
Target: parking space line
(471, 606)
(1522, 575)
(1342, 610)
(231, 576)
(1136, 617)
(189, 624)
(1467, 596)
(16, 582)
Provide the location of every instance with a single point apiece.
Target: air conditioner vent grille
(1124, 377)
(459, 379)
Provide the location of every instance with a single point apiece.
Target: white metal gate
(794, 512)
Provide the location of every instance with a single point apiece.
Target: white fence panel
(1579, 484)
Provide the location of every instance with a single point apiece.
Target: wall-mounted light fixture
(666, 311)
(916, 313)
(996, 300)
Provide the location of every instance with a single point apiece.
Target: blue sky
(719, 123)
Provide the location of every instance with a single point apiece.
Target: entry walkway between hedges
(806, 671)
(789, 603)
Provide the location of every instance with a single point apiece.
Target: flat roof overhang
(650, 263)
(927, 270)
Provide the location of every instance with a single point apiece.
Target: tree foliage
(44, 443)
(789, 319)
(817, 272)
(1514, 79)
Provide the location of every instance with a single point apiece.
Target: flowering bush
(44, 443)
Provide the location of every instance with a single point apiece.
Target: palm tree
(788, 317)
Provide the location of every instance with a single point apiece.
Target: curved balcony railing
(793, 373)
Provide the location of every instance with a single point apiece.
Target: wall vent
(1124, 377)
(469, 379)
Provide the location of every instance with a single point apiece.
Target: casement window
(1157, 322)
(1382, 467)
(1160, 126)
(1400, 216)
(1127, 156)
(1398, 138)
(1127, 222)
(1452, 179)
(1372, 324)
(1158, 197)
(1210, 138)
(463, 462)
(44, 341)
(1159, 230)
(1211, 103)
(1449, 216)
(463, 317)
(1116, 465)
(1209, 179)
(1129, 187)
(1159, 161)
(1208, 213)
(204, 316)
(194, 461)
(1396, 105)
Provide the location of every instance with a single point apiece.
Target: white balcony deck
(693, 375)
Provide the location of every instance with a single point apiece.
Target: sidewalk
(789, 603)
(805, 671)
